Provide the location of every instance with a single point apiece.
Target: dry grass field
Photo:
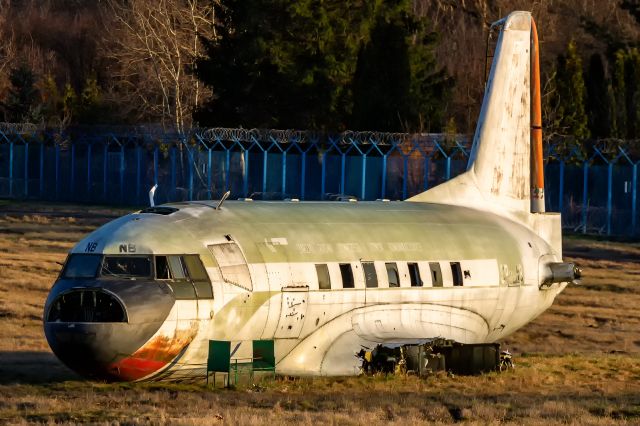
(579, 363)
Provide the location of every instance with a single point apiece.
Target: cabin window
(436, 274)
(199, 276)
(177, 268)
(414, 275)
(370, 276)
(324, 280)
(456, 272)
(126, 266)
(195, 268)
(172, 268)
(392, 274)
(82, 266)
(347, 275)
(232, 263)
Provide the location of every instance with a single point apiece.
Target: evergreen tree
(397, 86)
(51, 102)
(381, 86)
(69, 103)
(571, 91)
(619, 95)
(23, 99)
(632, 92)
(598, 99)
(89, 108)
(283, 64)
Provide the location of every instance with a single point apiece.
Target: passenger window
(324, 281)
(436, 274)
(456, 271)
(162, 268)
(392, 274)
(195, 268)
(347, 275)
(370, 276)
(199, 276)
(414, 274)
(177, 268)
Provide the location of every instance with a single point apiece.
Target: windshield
(126, 266)
(82, 266)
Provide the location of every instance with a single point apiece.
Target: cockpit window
(126, 266)
(82, 266)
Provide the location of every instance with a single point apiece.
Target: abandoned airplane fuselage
(471, 260)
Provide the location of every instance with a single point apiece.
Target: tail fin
(499, 173)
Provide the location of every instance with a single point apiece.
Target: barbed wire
(564, 149)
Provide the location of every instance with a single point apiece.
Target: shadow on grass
(32, 368)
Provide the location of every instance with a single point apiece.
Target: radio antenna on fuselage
(224, 197)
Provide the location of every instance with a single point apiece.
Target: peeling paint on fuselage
(278, 239)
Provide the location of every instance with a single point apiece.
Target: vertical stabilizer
(498, 176)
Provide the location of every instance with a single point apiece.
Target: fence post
(227, 174)
(634, 187)
(122, 173)
(383, 193)
(89, 171)
(138, 171)
(57, 170)
(245, 175)
(427, 164)
(448, 176)
(26, 170)
(209, 174)
(11, 169)
(284, 172)
(343, 165)
(105, 171)
(73, 171)
(191, 157)
(265, 165)
(561, 189)
(585, 195)
(364, 176)
(405, 176)
(303, 172)
(173, 173)
(324, 174)
(609, 197)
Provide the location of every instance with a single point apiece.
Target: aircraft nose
(100, 329)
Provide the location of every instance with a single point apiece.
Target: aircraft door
(232, 263)
(293, 312)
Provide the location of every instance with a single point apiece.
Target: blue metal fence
(596, 190)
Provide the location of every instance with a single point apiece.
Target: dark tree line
(328, 65)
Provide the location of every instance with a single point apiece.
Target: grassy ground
(578, 363)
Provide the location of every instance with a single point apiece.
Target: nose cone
(101, 329)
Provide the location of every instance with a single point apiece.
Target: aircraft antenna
(152, 192)
(224, 197)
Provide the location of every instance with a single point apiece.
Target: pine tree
(397, 84)
(598, 99)
(89, 108)
(69, 104)
(381, 85)
(283, 64)
(23, 99)
(571, 91)
(619, 95)
(632, 92)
